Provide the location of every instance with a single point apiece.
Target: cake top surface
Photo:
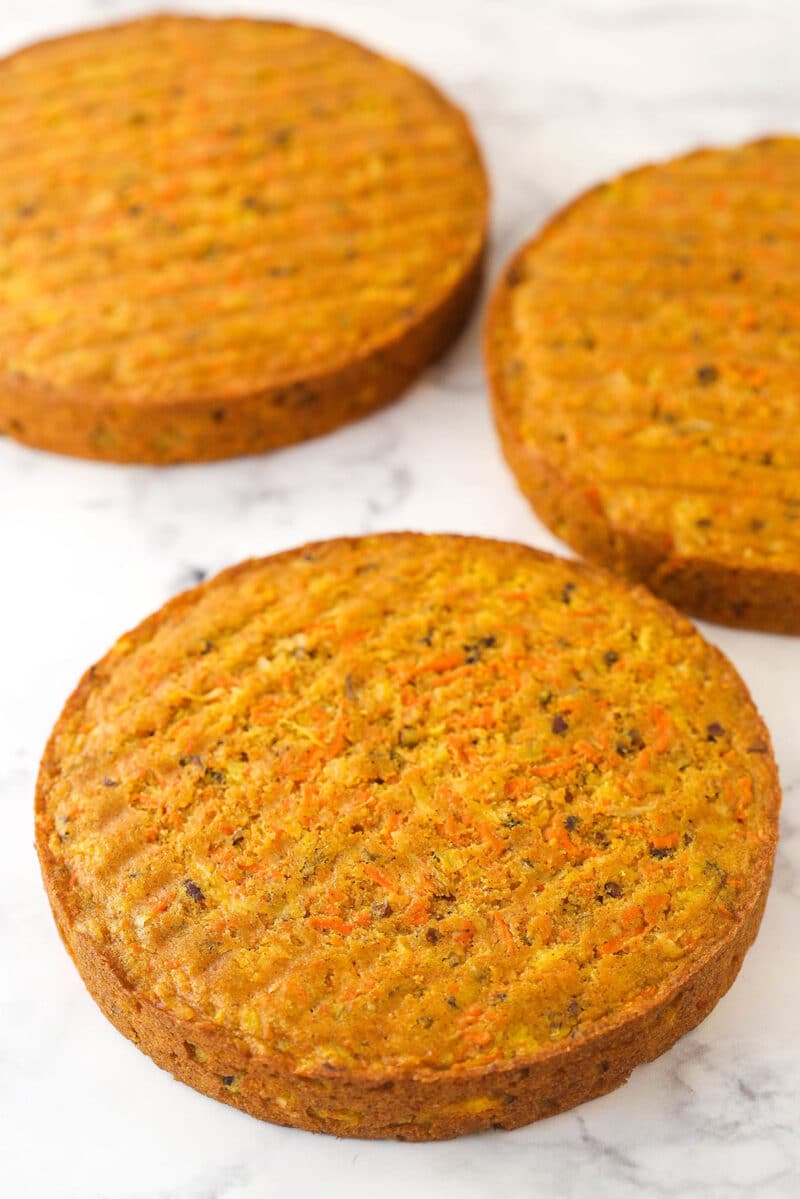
(408, 802)
(647, 343)
(195, 208)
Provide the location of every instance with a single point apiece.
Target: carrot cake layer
(408, 835)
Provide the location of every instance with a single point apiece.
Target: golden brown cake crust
(408, 836)
(204, 257)
(642, 355)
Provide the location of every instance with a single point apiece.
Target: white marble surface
(562, 92)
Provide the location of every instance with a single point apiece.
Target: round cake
(408, 836)
(222, 236)
(643, 353)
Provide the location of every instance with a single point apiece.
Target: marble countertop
(562, 92)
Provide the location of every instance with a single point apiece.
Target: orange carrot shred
(665, 730)
(505, 931)
(746, 797)
(380, 877)
(487, 835)
(668, 841)
(331, 924)
(551, 770)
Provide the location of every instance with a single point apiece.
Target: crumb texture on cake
(220, 235)
(644, 356)
(407, 809)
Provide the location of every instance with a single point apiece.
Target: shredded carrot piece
(354, 637)
(654, 906)
(746, 797)
(643, 759)
(665, 730)
(418, 912)
(264, 711)
(634, 922)
(438, 665)
(594, 498)
(392, 825)
(633, 916)
(558, 833)
(331, 924)
(338, 742)
(381, 877)
(478, 1036)
(451, 830)
(458, 747)
(552, 770)
(545, 926)
(668, 841)
(505, 931)
(487, 835)
(631, 826)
